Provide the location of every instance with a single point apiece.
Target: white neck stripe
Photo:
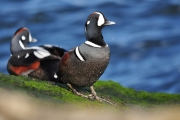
(78, 54)
(92, 44)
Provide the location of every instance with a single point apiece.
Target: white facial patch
(23, 37)
(21, 44)
(101, 19)
(78, 54)
(18, 56)
(88, 22)
(27, 55)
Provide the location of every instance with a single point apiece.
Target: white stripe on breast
(78, 54)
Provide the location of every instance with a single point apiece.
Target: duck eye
(23, 37)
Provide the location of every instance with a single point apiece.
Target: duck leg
(96, 97)
(93, 92)
(91, 96)
(76, 92)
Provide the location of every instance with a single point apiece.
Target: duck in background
(40, 62)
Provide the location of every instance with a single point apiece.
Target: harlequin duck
(39, 62)
(83, 65)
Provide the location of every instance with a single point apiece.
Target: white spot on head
(55, 76)
(27, 55)
(88, 22)
(23, 37)
(18, 56)
(21, 44)
(101, 19)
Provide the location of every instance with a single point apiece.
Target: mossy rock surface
(109, 90)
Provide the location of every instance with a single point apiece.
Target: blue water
(145, 42)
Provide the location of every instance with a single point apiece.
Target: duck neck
(95, 36)
(16, 46)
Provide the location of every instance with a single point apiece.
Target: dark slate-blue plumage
(83, 65)
(39, 62)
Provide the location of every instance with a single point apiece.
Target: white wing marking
(41, 54)
(27, 55)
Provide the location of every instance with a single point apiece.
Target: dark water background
(145, 42)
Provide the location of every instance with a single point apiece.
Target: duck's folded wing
(29, 56)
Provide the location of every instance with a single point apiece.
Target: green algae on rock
(107, 89)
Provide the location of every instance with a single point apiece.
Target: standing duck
(83, 65)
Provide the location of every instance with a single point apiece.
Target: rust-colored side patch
(19, 70)
(64, 59)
